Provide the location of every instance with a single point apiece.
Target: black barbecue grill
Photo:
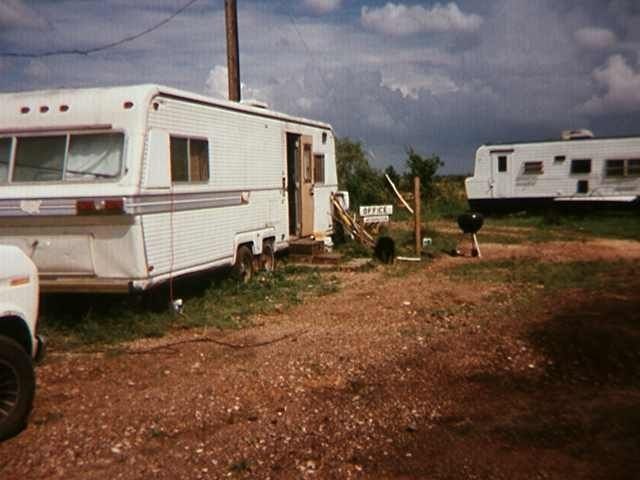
(470, 222)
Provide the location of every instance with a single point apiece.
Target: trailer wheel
(17, 387)
(243, 268)
(268, 257)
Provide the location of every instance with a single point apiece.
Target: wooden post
(416, 210)
(233, 57)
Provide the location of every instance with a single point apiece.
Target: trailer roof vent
(580, 134)
(255, 104)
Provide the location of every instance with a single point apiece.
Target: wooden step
(306, 246)
(320, 259)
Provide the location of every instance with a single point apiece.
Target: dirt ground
(414, 376)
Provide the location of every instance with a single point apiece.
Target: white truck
(19, 344)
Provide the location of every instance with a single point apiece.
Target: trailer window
(179, 160)
(633, 167)
(189, 160)
(318, 168)
(581, 165)
(94, 156)
(559, 158)
(306, 163)
(39, 159)
(502, 163)
(532, 168)
(5, 158)
(614, 168)
(582, 186)
(198, 160)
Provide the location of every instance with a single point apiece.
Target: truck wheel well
(16, 329)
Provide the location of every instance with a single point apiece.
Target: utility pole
(233, 57)
(416, 212)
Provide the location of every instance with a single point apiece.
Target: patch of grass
(557, 225)
(552, 276)
(352, 249)
(79, 321)
(402, 269)
(403, 236)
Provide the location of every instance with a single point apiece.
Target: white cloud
(622, 84)
(399, 19)
(217, 83)
(14, 14)
(322, 6)
(595, 38)
(410, 83)
(217, 86)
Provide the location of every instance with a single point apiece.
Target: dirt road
(420, 375)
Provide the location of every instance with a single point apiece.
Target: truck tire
(243, 268)
(17, 387)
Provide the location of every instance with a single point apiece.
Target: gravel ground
(396, 376)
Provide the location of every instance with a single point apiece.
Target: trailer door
(502, 173)
(306, 187)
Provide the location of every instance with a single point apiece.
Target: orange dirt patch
(419, 376)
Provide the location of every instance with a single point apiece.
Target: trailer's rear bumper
(81, 284)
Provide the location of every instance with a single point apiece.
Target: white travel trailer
(119, 189)
(577, 170)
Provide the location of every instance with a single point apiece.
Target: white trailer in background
(119, 189)
(577, 170)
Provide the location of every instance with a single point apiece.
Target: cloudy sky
(441, 77)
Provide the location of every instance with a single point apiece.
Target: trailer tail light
(17, 281)
(109, 206)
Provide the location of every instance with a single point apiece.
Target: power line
(306, 46)
(88, 51)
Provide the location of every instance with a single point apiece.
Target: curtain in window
(94, 156)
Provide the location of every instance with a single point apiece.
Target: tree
(365, 184)
(423, 167)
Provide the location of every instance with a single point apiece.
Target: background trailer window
(502, 163)
(533, 168)
(582, 165)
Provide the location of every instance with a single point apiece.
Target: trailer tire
(17, 387)
(243, 268)
(268, 257)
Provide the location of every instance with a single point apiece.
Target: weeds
(558, 225)
(219, 302)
